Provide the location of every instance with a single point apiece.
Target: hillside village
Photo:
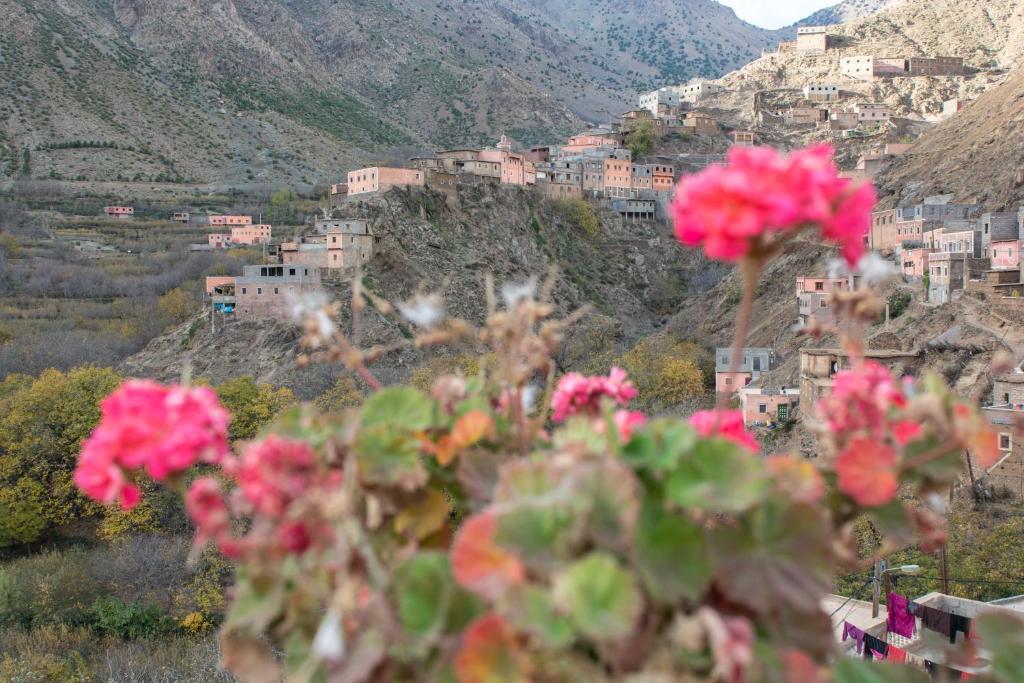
(500, 197)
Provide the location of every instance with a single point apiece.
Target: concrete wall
(267, 291)
(230, 220)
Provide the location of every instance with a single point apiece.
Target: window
(1005, 442)
(819, 286)
(275, 290)
(823, 303)
(757, 364)
(243, 290)
(728, 381)
(291, 271)
(762, 408)
(259, 290)
(783, 412)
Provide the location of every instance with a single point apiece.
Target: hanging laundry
(960, 624)
(896, 655)
(851, 631)
(935, 620)
(873, 644)
(901, 621)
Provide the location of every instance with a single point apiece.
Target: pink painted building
(731, 382)
(588, 142)
(813, 299)
(762, 407)
(119, 211)
(618, 177)
(513, 166)
(215, 281)
(230, 220)
(251, 234)
(664, 178)
(219, 240)
(1006, 255)
(915, 262)
(382, 179)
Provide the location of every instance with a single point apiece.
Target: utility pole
(944, 569)
(876, 586)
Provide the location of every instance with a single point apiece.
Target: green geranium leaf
(389, 457)
(778, 555)
(423, 590)
(659, 445)
(717, 476)
(600, 597)
(540, 522)
(859, 671)
(401, 407)
(944, 468)
(613, 500)
(672, 555)
(532, 609)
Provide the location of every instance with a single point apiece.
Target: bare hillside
(978, 155)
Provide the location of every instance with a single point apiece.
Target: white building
(668, 96)
(693, 91)
(821, 92)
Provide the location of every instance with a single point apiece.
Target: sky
(775, 13)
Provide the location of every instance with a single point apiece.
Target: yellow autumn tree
(667, 373)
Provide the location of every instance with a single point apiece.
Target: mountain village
(955, 256)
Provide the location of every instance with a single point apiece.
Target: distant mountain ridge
(293, 91)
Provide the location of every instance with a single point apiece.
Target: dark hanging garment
(958, 623)
(936, 620)
(874, 644)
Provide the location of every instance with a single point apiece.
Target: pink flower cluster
(147, 426)
(724, 424)
(274, 476)
(862, 401)
(726, 209)
(577, 394)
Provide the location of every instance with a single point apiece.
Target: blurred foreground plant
(504, 527)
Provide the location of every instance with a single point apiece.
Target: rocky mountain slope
(989, 34)
(291, 91)
(845, 11)
(633, 275)
(978, 155)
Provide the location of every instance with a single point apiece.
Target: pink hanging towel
(901, 621)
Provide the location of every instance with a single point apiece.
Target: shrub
(252, 405)
(581, 214)
(130, 621)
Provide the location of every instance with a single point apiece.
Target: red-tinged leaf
(867, 472)
(491, 653)
(479, 564)
(797, 478)
(976, 434)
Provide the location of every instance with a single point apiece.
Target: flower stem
(751, 270)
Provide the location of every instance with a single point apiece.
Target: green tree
(642, 139)
(252, 405)
(43, 422)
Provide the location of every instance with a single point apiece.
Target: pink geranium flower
(274, 472)
(626, 421)
(861, 402)
(867, 472)
(724, 424)
(145, 425)
(205, 505)
(728, 209)
(577, 393)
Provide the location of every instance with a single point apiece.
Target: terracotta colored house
(870, 112)
(230, 220)
(813, 299)
(268, 291)
(215, 281)
(219, 240)
(804, 116)
(382, 179)
(119, 211)
(251, 234)
(617, 177)
(882, 236)
(664, 177)
(700, 123)
(915, 262)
